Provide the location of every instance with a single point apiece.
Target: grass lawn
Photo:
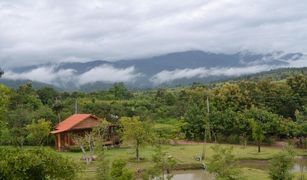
(185, 154)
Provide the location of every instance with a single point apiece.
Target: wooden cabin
(78, 124)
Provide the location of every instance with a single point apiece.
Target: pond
(199, 174)
(300, 165)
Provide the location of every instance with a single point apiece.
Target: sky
(44, 31)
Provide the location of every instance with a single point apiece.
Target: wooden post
(59, 141)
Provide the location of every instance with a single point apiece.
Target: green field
(184, 154)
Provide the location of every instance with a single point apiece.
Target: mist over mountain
(179, 68)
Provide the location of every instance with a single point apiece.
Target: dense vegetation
(244, 111)
(235, 110)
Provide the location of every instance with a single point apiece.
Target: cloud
(36, 32)
(302, 62)
(202, 72)
(107, 73)
(43, 74)
(65, 77)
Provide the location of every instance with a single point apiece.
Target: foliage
(137, 132)
(18, 119)
(258, 133)
(119, 170)
(103, 166)
(35, 164)
(85, 142)
(119, 91)
(281, 164)
(166, 132)
(47, 95)
(38, 131)
(264, 124)
(223, 164)
(194, 128)
(163, 165)
(279, 107)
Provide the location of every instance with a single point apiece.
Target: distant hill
(168, 70)
(275, 75)
(16, 83)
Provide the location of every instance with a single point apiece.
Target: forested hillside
(166, 70)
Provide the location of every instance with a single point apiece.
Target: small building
(78, 124)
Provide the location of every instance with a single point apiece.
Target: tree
(88, 140)
(281, 164)
(194, 127)
(47, 95)
(103, 166)
(165, 133)
(223, 165)
(258, 133)
(264, 124)
(119, 91)
(57, 108)
(17, 122)
(38, 131)
(4, 101)
(85, 142)
(298, 84)
(231, 96)
(137, 132)
(164, 163)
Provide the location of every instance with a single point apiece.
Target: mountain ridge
(172, 69)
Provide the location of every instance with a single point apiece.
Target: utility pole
(207, 128)
(208, 120)
(76, 106)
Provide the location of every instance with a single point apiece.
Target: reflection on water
(191, 175)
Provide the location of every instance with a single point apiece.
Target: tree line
(243, 111)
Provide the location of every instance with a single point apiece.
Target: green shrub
(223, 164)
(35, 164)
(281, 165)
(119, 170)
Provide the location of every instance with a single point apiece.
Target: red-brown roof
(71, 121)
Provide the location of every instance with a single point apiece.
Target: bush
(35, 164)
(74, 149)
(119, 170)
(223, 164)
(281, 165)
(103, 167)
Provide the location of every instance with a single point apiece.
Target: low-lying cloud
(107, 73)
(43, 74)
(202, 72)
(50, 75)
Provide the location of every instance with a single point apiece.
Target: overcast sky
(35, 32)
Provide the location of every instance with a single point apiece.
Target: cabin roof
(71, 121)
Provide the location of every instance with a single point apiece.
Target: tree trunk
(59, 116)
(84, 154)
(215, 138)
(162, 172)
(137, 152)
(91, 151)
(259, 147)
